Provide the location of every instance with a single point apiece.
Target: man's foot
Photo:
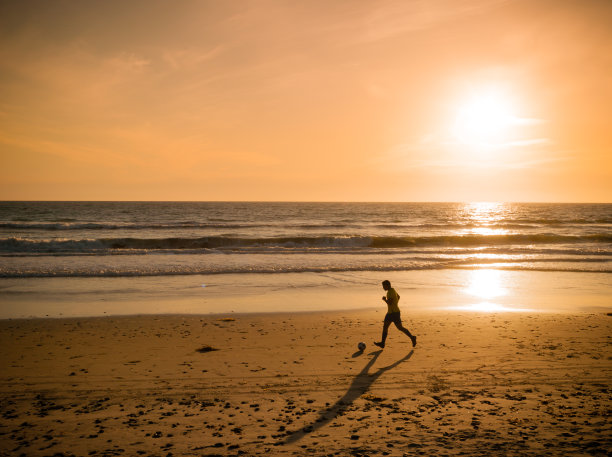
(380, 345)
(413, 338)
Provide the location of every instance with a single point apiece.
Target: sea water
(57, 258)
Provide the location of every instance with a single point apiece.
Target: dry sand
(282, 384)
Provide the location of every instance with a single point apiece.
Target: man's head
(386, 285)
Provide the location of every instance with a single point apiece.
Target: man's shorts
(393, 317)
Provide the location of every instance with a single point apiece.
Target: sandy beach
(203, 202)
(294, 384)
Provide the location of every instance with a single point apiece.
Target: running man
(393, 315)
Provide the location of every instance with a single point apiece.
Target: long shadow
(360, 385)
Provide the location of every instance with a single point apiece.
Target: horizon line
(311, 201)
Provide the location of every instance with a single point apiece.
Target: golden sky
(412, 100)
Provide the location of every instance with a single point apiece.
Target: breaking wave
(15, 245)
(88, 271)
(131, 226)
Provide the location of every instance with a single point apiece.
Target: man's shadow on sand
(360, 385)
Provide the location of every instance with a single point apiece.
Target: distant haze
(432, 100)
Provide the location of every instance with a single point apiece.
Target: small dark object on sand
(206, 348)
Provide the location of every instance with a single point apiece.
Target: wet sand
(294, 384)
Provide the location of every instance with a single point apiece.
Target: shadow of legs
(360, 385)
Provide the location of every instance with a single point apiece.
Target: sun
(484, 119)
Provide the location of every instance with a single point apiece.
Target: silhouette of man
(393, 315)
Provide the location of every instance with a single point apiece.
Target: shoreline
(200, 316)
(487, 290)
(278, 314)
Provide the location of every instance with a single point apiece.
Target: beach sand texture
(293, 384)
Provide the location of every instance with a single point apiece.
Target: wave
(104, 245)
(577, 267)
(71, 225)
(604, 220)
(586, 250)
(54, 226)
(489, 240)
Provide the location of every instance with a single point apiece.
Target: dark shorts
(393, 317)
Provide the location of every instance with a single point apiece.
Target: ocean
(174, 242)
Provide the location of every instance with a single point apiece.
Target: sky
(412, 100)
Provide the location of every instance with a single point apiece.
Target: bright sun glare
(486, 284)
(487, 287)
(484, 119)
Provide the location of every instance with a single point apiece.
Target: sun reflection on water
(487, 285)
(482, 217)
(485, 211)
(487, 231)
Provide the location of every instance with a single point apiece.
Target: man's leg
(400, 327)
(385, 332)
